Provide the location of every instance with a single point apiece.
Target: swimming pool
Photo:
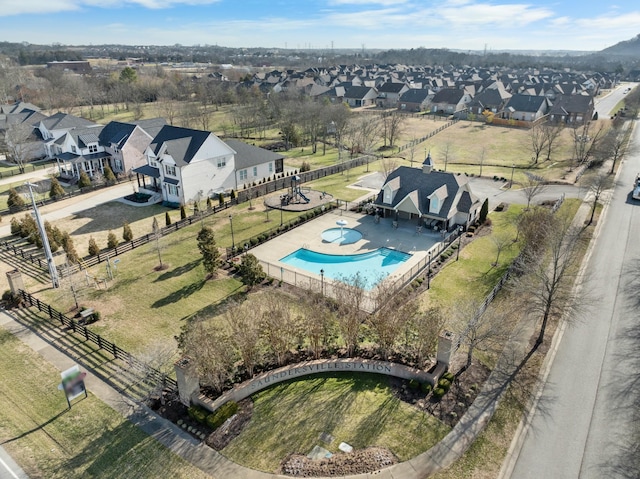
(373, 266)
(341, 235)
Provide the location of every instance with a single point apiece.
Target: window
(153, 163)
(73, 148)
(255, 171)
(93, 148)
(118, 165)
(172, 190)
(222, 162)
(270, 167)
(243, 174)
(170, 170)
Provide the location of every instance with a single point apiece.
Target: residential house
(415, 99)
(357, 96)
(491, 99)
(450, 100)
(78, 150)
(57, 125)
(526, 107)
(572, 109)
(389, 93)
(434, 199)
(252, 164)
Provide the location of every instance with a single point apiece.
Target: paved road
(586, 425)
(8, 468)
(605, 104)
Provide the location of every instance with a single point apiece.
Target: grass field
(357, 409)
(90, 440)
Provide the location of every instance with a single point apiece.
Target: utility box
(187, 379)
(445, 348)
(15, 281)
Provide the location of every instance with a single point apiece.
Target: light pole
(513, 167)
(45, 240)
(322, 282)
(280, 216)
(429, 272)
(233, 242)
(459, 238)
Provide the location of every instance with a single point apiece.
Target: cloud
(385, 3)
(17, 7)
(509, 15)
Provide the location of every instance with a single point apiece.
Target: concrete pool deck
(375, 235)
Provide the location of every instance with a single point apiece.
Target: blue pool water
(373, 266)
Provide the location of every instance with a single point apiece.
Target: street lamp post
(513, 167)
(322, 282)
(233, 241)
(459, 238)
(45, 240)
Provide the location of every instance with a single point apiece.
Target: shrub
(197, 413)
(10, 300)
(56, 190)
(444, 384)
(93, 247)
(232, 196)
(109, 177)
(112, 240)
(183, 212)
(15, 202)
(413, 384)
(167, 218)
(438, 393)
(306, 166)
(84, 180)
(224, 412)
(16, 229)
(449, 376)
(96, 316)
(426, 387)
(254, 241)
(127, 234)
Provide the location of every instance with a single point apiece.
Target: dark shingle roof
(390, 87)
(567, 104)
(414, 95)
(357, 92)
(249, 155)
(63, 121)
(182, 143)
(412, 179)
(152, 126)
(448, 95)
(115, 132)
(527, 103)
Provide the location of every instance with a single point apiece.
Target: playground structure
(295, 194)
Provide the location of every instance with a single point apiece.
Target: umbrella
(342, 224)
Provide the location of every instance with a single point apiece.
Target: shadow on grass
(110, 216)
(35, 429)
(25, 267)
(180, 270)
(239, 295)
(180, 294)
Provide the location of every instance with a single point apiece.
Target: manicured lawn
(338, 185)
(90, 440)
(357, 409)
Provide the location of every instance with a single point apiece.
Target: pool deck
(375, 235)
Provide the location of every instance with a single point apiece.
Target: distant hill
(628, 48)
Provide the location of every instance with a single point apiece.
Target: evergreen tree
(112, 240)
(69, 248)
(109, 177)
(15, 226)
(209, 205)
(15, 202)
(220, 199)
(232, 196)
(183, 212)
(127, 234)
(93, 247)
(84, 180)
(209, 250)
(484, 211)
(250, 270)
(167, 218)
(56, 190)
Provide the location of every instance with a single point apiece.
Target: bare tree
(157, 234)
(422, 334)
(392, 125)
(245, 334)
(614, 146)
(552, 132)
(501, 241)
(350, 298)
(447, 153)
(212, 351)
(394, 311)
(547, 287)
(533, 186)
(279, 326)
(585, 141)
(17, 142)
(388, 164)
(597, 185)
(483, 153)
(319, 321)
(538, 141)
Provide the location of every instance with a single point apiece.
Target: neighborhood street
(586, 424)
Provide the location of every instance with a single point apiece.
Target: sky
(584, 25)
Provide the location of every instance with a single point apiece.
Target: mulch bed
(340, 464)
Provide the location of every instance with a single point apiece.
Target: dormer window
(93, 148)
(73, 148)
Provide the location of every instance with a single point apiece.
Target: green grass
(475, 275)
(338, 185)
(90, 440)
(358, 409)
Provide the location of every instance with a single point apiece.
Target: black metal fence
(151, 374)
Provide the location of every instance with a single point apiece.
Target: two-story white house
(78, 150)
(55, 126)
(184, 164)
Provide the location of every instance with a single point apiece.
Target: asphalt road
(605, 104)
(586, 424)
(8, 468)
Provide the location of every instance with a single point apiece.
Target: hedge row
(215, 419)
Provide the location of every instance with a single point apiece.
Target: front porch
(148, 179)
(70, 164)
(413, 220)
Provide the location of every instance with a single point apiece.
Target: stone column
(187, 378)
(445, 348)
(15, 281)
